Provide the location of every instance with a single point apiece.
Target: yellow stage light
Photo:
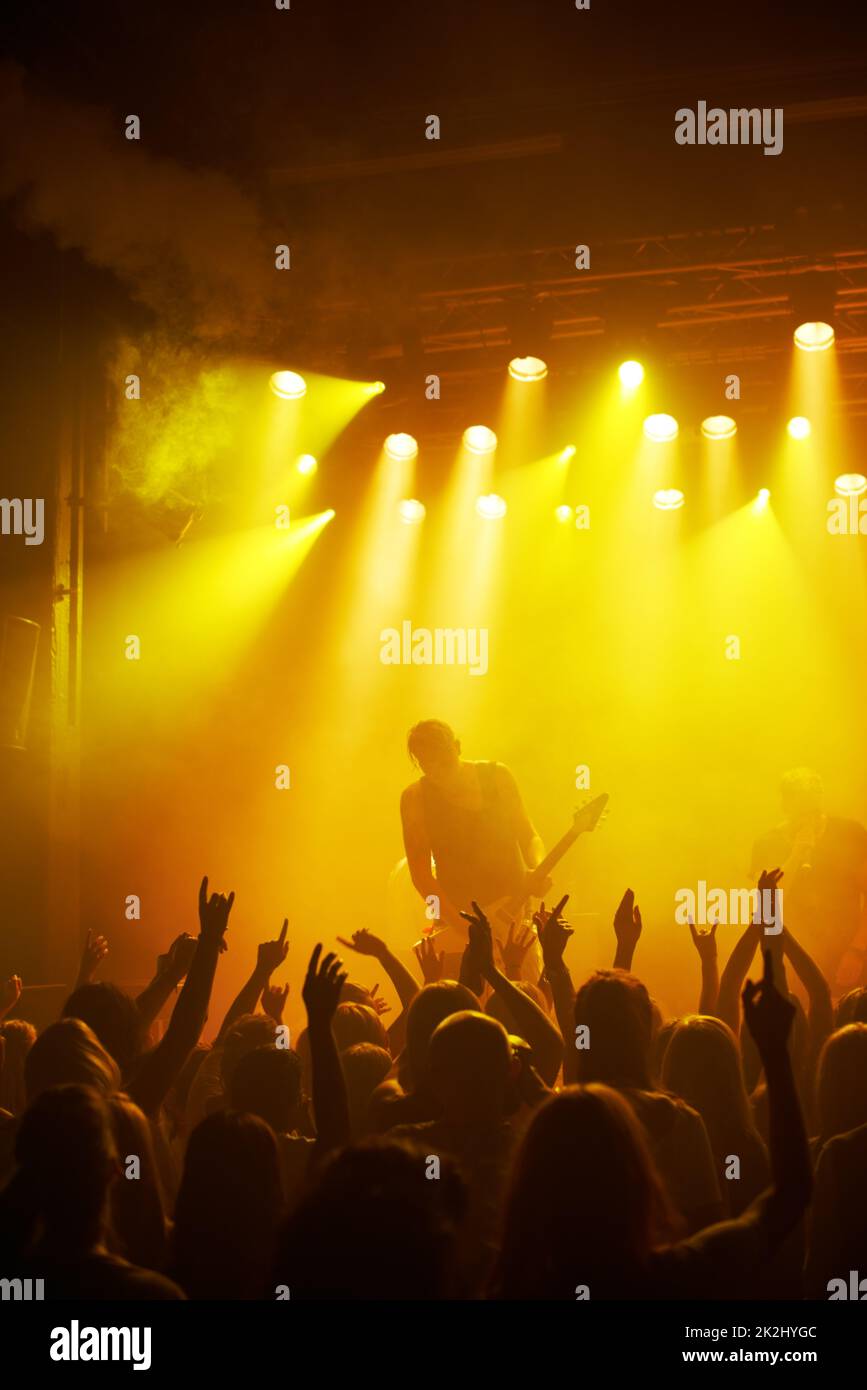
(669, 499)
(850, 484)
(799, 427)
(719, 427)
(564, 514)
(660, 428)
(814, 337)
(631, 374)
(289, 386)
(377, 388)
(306, 465)
(491, 506)
(401, 446)
(480, 440)
(411, 510)
(568, 453)
(528, 369)
(764, 494)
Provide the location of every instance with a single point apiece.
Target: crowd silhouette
(499, 1139)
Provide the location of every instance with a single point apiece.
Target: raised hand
(273, 953)
(704, 941)
(322, 986)
(481, 941)
(767, 1012)
(365, 943)
(627, 922)
(10, 993)
(553, 932)
(213, 915)
(180, 954)
(514, 949)
(377, 1003)
(431, 962)
(274, 1001)
(95, 950)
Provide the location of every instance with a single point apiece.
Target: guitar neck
(554, 855)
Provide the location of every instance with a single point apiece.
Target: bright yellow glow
(289, 386)
(719, 427)
(762, 499)
(411, 510)
(668, 499)
(491, 506)
(850, 484)
(377, 388)
(631, 374)
(814, 337)
(401, 446)
(660, 428)
(799, 427)
(480, 440)
(306, 465)
(563, 514)
(568, 453)
(528, 369)
(764, 494)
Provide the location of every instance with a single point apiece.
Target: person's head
(267, 1082)
(69, 1053)
(852, 1007)
(802, 795)
(365, 1067)
(841, 1081)
(67, 1160)
(137, 1225)
(373, 1226)
(585, 1204)
(228, 1207)
(495, 1008)
(469, 1066)
(427, 1010)
(18, 1037)
(114, 1018)
(616, 1009)
(246, 1034)
(358, 1023)
(434, 747)
(702, 1065)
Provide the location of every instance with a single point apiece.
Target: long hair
(841, 1081)
(585, 1204)
(702, 1064)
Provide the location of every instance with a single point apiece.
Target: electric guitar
(502, 912)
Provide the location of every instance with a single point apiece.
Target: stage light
(764, 494)
(401, 446)
(631, 374)
(377, 388)
(799, 427)
(480, 440)
(563, 514)
(306, 465)
(491, 507)
(850, 484)
(719, 427)
(528, 369)
(660, 428)
(289, 386)
(411, 510)
(814, 337)
(668, 499)
(568, 453)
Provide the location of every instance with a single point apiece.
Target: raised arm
(821, 1009)
(741, 959)
(553, 936)
(705, 944)
(627, 929)
(157, 1072)
(269, 956)
(321, 994)
(531, 1022)
(171, 969)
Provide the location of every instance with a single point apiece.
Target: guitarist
(465, 832)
